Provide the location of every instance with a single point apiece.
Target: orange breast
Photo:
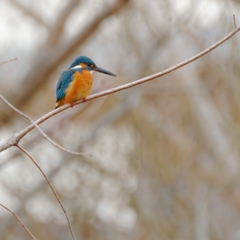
(80, 87)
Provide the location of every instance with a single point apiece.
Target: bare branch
(11, 60)
(160, 74)
(50, 185)
(41, 131)
(13, 141)
(16, 216)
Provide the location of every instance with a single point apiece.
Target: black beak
(101, 70)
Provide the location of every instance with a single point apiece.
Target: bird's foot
(84, 99)
(71, 104)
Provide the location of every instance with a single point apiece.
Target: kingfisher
(76, 82)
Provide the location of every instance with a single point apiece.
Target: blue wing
(63, 83)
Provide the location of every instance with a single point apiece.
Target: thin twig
(49, 183)
(41, 131)
(11, 60)
(160, 74)
(16, 216)
(13, 141)
(58, 27)
(234, 21)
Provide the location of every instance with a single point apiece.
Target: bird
(76, 82)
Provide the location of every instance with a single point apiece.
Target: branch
(49, 183)
(16, 216)
(13, 141)
(41, 131)
(11, 60)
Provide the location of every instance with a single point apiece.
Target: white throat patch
(76, 67)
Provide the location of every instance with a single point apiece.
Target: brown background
(166, 154)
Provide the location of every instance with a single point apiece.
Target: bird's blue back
(64, 82)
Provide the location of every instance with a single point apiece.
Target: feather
(63, 83)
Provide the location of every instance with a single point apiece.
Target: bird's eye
(91, 65)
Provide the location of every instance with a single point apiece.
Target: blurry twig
(41, 131)
(234, 21)
(58, 27)
(14, 59)
(29, 12)
(49, 183)
(16, 216)
(13, 141)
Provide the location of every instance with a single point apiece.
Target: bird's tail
(57, 105)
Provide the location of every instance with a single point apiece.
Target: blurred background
(166, 154)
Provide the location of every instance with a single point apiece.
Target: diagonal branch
(11, 60)
(49, 183)
(13, 141)
(29, 12)
(41, 131)
(16, 216)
